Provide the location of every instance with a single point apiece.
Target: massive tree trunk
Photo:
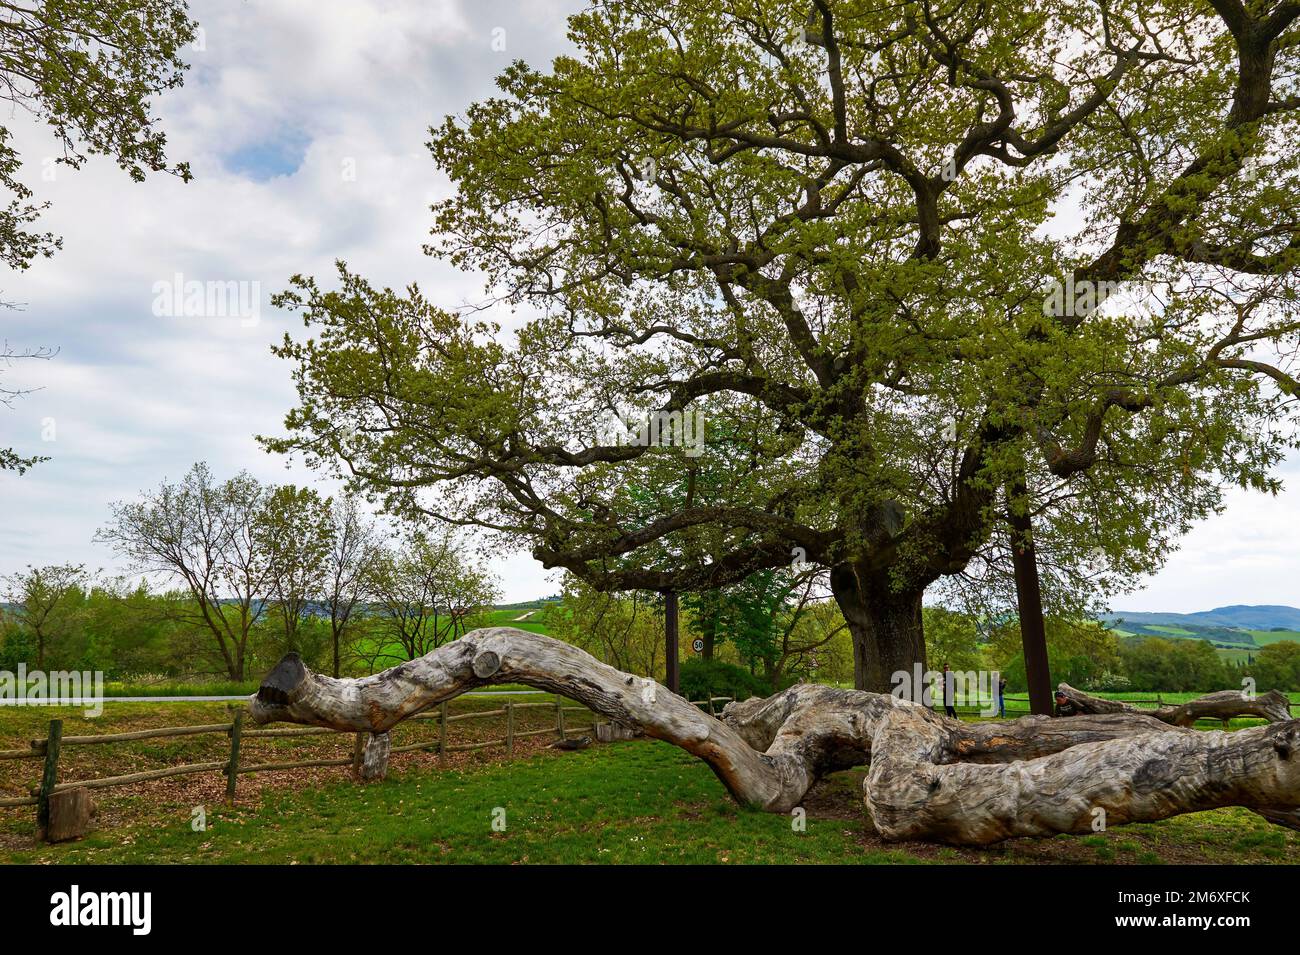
(885, 626)
(930, 778)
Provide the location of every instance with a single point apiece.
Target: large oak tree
(869, 242)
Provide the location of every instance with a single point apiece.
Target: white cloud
(282, 95)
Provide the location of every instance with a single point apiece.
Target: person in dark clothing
(1002, 696)
(949, 692)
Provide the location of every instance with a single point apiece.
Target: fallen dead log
(930, 777)
(1223, 705)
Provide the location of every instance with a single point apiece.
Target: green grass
(392, 653)
(508, 618)
(1018, 707)
(187, 688)
(1236, 655)
(147, 801)
(623, 804)
(1265, 637)
(639, 802)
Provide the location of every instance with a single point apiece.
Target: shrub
(703, 678)
(17, 646)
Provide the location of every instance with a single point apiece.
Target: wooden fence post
(510, 729)
(358, 751)
(232, 768)
(442, 734)
(50, 776)
(559, 716)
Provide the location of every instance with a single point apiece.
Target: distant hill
(538, 604)
(1236, 632)
(1238, 616)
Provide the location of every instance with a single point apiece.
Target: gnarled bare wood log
(1223, 705)
(930, 778)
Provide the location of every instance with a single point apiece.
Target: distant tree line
(235, 573)
(777, 628)
(1089, 656)
(245, 572)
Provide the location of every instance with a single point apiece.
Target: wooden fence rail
(50, 748)
(978, 706)
(52, 745)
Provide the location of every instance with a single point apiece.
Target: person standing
(1002, 696)
(949, 692)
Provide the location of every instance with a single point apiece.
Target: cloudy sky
(304, 122)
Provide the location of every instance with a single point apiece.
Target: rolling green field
(510, 618)
(393, 653)
(1234, 646)
(1265, 637)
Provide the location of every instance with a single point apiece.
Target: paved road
(78, 701)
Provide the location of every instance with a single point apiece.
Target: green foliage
(749, 615)
(424, 594)
(205, 536)
(88, 69)
(295, 531)
(839, 254)
(951, 637)
(1174, 665)
(1277, 666)
(624, 630)
(701, 679)
(16, 646)
(1085, 655)
(49, 605)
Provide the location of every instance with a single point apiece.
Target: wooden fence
(978, 708)
(50, 748)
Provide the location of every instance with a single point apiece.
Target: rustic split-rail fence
(51, 747)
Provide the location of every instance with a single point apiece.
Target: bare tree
(352, 552)
(10, 460)
(811, 621)
(424, 594)
(205, 535)
(294, 531)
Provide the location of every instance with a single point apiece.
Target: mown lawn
(635, 802)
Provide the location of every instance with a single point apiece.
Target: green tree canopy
(49, 601)
(874, 244)
(1277, 666)
(1153, 663)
